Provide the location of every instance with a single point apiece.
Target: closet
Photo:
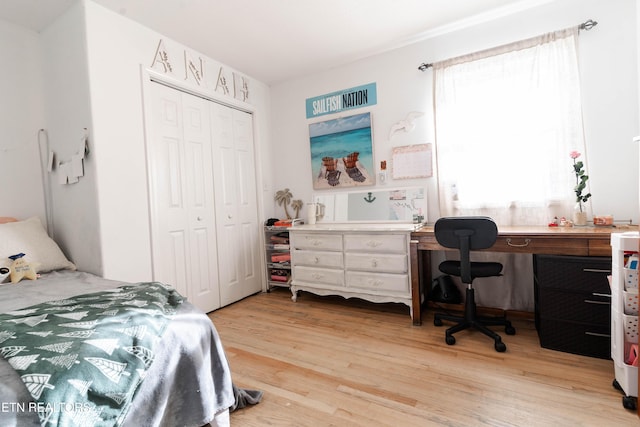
(203, 204)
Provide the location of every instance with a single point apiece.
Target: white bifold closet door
(189, 249)
(236, 206)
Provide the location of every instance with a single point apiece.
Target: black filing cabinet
(573, 304)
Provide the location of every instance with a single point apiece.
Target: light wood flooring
(326, 361)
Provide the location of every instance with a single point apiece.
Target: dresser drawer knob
(518, 245)
(374, 263)
(316, 260)
(374, 243)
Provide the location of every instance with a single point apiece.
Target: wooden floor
(326, 361)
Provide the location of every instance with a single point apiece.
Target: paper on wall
(77, 165)
(63, 173)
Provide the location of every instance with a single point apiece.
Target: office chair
(467, 234)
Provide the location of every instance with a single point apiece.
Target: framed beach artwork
(342, 152)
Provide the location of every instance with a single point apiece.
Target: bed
(77, 349)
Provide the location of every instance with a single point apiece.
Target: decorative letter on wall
(190, 69)
(221, 84)
(240, 87)
(161, 57)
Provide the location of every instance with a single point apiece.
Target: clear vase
(580, 214)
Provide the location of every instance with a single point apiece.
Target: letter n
(192, 70)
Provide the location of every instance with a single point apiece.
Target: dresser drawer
(318, 258)
(539, 245)
(316, 241)
(318, 276)
(395, 283)
(386, 263)
(583, 274)
(575, 306)
(576, 338)
(387, 243)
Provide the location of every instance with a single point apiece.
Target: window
(506, 121)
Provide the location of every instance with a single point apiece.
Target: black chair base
(471, 320)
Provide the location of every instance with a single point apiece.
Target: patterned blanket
(83, 358)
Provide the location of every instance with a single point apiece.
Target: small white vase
(580, 214)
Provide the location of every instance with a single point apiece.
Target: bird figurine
(406, 125)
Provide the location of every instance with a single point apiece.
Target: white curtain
(506, 120)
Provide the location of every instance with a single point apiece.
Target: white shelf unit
(278, 272)
(274, 249)
(624, 327)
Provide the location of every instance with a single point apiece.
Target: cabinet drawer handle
(375, 283)
(316, 260)
(598, 294)
(522, 245)
(374, 243)
(317, 276)
(595, 334)
(374, 263)
(595, 270)
(590, 301)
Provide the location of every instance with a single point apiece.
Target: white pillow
(30, 238)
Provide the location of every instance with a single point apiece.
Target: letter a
(221, 84)
(161, 58)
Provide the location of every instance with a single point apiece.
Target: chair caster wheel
(500, 347)
(510, 330)
(450, 339)
(437, 322)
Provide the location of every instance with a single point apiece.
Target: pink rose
(574, 155)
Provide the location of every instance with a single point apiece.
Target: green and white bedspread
(83, 358)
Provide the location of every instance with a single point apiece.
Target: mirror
(388, 205)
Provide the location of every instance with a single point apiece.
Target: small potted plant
(580, 210)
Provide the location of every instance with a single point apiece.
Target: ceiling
(278, 40)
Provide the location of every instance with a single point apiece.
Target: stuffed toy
(21, 269)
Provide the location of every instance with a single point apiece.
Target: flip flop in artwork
(355, 174)
(351, 168)
(333, 177)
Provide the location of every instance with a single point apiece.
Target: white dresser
(368, 261)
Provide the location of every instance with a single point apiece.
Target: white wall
(66, 99)
(21, 116)
(609, 75)
(106, 66)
